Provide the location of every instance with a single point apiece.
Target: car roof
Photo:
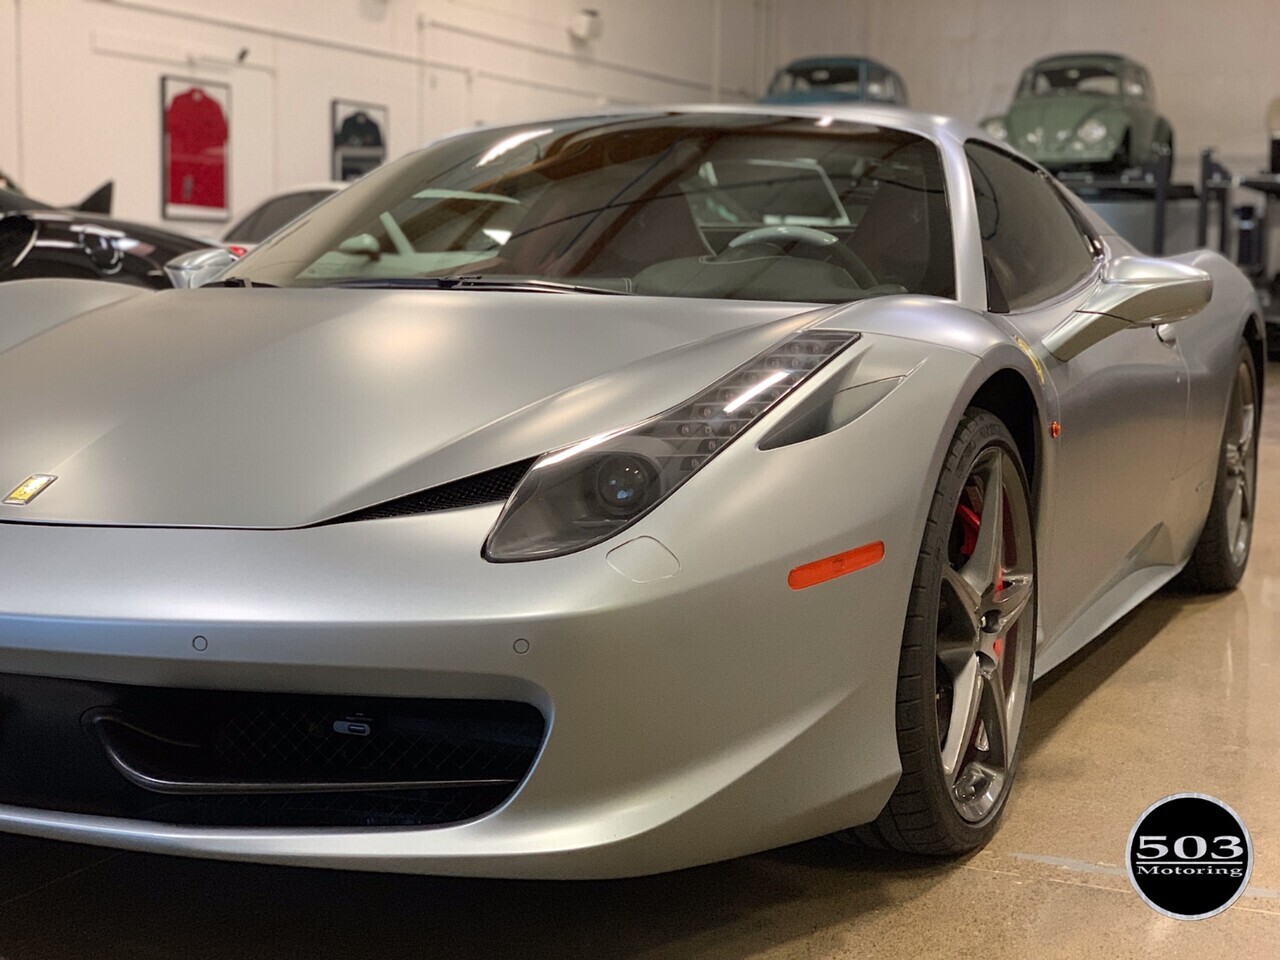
(13, 202)
(1086, 57)
(806, 63)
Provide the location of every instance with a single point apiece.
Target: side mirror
(1135, 292)
(190, 270)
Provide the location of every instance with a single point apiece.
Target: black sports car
(39, 240)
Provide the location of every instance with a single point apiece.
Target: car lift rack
(1216, 184)
(1147, 181)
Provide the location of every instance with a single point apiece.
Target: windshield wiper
(241, 282)
(475, 282)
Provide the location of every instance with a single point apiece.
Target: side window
(316, 197)
(279, 212)
(245, 229)
(1135, 84)
(877, 83)
(1033, 246)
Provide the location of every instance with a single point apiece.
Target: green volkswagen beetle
(1086, 111)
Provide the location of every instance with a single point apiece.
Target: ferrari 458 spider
(732, 493)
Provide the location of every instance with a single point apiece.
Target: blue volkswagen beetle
(836, 80)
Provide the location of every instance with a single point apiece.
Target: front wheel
(1222, 553)
(964, 676)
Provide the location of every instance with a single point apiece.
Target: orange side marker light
(1055, 429)
(820, 571)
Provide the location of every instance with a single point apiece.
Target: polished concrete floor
(1184, 694)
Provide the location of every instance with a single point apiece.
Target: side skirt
(1109, 608)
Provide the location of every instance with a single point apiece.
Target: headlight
(996, 128)
(625, 484)
(578, 496)
(1093, 131)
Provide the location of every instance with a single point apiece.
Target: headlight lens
(625, 484)
(585, 493)
(1093, 131)
(996, 128)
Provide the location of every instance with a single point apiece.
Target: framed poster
(196, 117)
(359, 138)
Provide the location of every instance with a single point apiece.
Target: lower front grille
(407, 808)
(202, 757)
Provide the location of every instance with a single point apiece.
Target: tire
(961, 635)
(1222, 552)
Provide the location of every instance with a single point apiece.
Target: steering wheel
(787, 235)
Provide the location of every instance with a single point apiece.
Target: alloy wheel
(1241, 461)
(986, 631)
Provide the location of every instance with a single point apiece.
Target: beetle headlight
(995, 127)
(576, 497)
(1092, 132)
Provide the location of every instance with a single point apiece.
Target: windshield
(1055, 79)
(831, 78)
(715, 205)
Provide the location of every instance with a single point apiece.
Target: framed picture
(196, 118)
(359, 138)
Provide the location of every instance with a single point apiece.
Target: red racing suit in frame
(197, 131)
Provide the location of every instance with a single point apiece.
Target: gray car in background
(604, 496)
(275, 212)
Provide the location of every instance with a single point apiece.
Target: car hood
(283, 408)
(1051, 114)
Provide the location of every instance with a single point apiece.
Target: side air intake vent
(492, 486)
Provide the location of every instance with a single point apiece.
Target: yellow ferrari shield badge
(28, 489)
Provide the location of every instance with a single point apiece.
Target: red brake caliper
(969, 524)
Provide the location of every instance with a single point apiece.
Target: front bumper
(704, 715)
(695, 718)
(672, 740)
(1072, 155)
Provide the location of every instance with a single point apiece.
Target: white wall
(80, 79)
(821, 27)
(9, 132)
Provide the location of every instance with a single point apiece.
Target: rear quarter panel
(1209, 343)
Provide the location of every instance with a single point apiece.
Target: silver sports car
(732, 492)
